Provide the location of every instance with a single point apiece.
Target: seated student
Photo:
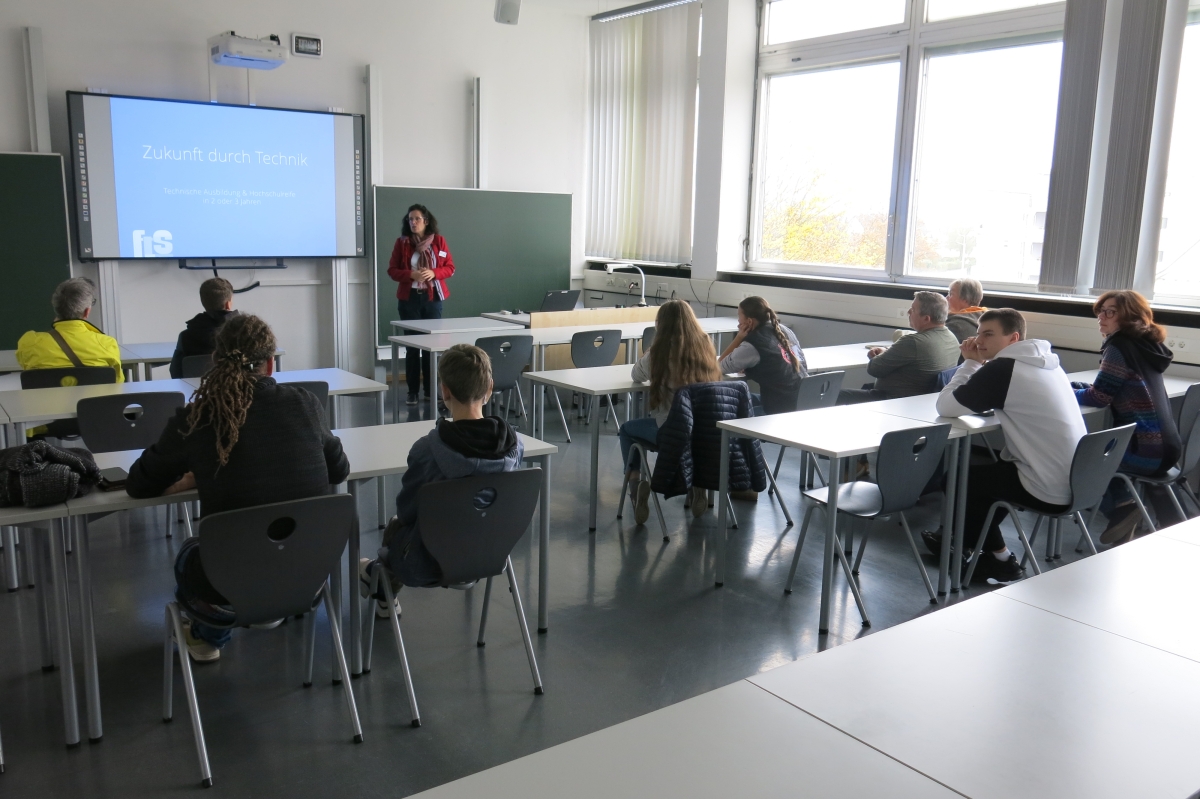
(1021, 380)
(681, 354)
(769, 354)
(1132, 361)
(199, 337)
(466, 444)
(963, 298)
(243, 440)
(72, 341)
(911, 365)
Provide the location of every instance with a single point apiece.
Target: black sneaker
(1121, 524)
(412, 398)
(933, 541)
(998, 572)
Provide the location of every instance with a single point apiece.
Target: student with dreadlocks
(769, 354)
(243, 440)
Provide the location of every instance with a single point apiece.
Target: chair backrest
(944, 377)
(318, 388)
(509, 355)
(126, 421)
(1097, 456)
(68, 376)
(907, 460)
(470, 525)
(648, 338)
(1189, 412)
(270, 561)
(819, 390)
(595, 348)
(196, 365)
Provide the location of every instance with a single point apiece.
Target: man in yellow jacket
(73, 300)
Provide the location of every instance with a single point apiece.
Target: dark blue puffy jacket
(689, 441)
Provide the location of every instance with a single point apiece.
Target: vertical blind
(643, 132)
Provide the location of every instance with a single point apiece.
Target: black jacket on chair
(689, 442)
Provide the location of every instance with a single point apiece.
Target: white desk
(8, 361)
(595, 382)
(464, 324)
(1175, 386)
(47, 404)
(341, 383)
(156, 353)
(373, 452)
(522, 319)
(995, 698)
(839, 432)
(731, 742)
(839, 357)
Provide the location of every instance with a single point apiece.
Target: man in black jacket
(216, 295)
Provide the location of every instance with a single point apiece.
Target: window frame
(910, 44)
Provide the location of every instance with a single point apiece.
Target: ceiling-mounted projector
(230, 50)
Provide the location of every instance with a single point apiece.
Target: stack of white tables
(522, 319)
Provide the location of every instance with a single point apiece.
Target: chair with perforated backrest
(68, 376)
(119, 422)
(470, 526)
(591, 349)
(509, 356)
(271, 562)
(318, 388)
(648, 338)
(906, 461)
(1097, 457)
(816, 391)
(196, 365)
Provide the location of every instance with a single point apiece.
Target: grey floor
(635, 625)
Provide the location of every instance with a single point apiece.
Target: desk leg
(722, 503)
(355, 642)
(394, 388)
(12, 581)
(960, 513)
(949, 504)
(91, 668)
(36, 547)
(544, 547)
(594, 491)
(62, 624)
(835, 477)
(435, 392)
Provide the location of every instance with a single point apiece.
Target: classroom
(541, 398)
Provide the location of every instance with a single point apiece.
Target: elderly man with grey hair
(72, 340)
(964, 298)
(911, 365)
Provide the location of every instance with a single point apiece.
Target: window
(1179, 243)
(826, 160)
(986, 136)
(946, 9)
(790, 20)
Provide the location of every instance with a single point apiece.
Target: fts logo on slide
(155, 245)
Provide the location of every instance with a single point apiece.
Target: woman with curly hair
(243, 440)
(1130, 382)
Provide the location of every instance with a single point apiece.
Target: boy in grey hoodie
(1021, 380)
(467, 444)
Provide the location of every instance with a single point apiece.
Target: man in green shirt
(912, 364)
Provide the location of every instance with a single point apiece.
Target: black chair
(1097, 457)
(470, 527)
(509, 356)
(119, 422)
(648, 338)
(68, 376)
(196, 365)
(318, 388)
(906, 461)
(816, 391)
(270, 562)
(589, 350)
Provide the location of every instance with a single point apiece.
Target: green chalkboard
(509, 247)
(35, 249)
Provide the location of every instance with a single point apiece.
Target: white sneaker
(641, 506)
(201, 651)
(267, 625)
(364, 588)
(698, 497)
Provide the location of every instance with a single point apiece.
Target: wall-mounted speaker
(507, 11)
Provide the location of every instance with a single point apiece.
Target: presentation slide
(169, 179)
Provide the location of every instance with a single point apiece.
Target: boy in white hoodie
(1021, 380)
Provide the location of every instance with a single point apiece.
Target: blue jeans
(642, 430)
(192, 584)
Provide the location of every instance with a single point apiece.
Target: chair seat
(858, 498)
(1170, 477)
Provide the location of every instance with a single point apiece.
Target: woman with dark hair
(243, 440)
(1132, 361)
(421, 264)
(681, 354)
(769, 354)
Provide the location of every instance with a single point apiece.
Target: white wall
(535, 74)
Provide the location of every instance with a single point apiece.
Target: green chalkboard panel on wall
(509, 247)
(35, 248)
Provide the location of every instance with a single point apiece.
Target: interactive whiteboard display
(172, 179)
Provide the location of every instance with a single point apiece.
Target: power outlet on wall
(1182, 344)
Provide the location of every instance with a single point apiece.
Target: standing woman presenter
(421, 264)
